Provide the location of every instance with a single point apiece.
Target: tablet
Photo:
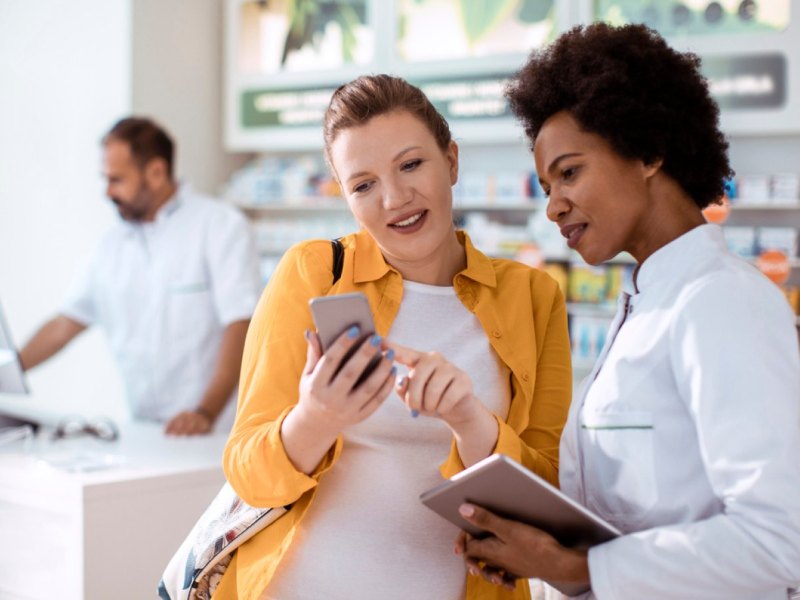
(508, 489)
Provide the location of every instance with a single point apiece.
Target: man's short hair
(146, 139)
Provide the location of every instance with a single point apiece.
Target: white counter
(104, 533)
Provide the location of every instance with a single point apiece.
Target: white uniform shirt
(164, 291)
(367, 535)
(687, 433)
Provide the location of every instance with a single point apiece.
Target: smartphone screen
(334, 315)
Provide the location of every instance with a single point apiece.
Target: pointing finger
(404, 355)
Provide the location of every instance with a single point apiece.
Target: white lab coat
(687, 433)
(164, 292)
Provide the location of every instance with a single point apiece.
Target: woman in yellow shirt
(476, 360)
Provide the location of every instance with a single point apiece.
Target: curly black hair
(628, 86)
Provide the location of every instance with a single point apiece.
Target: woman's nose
(395, 195)
(557, 206)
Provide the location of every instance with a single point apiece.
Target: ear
(452, 158)
(653, 167)
(155, 172)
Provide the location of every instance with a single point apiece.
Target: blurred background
(241, 85)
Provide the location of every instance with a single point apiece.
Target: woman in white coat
(686, 435)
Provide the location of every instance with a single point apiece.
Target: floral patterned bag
(195, 570)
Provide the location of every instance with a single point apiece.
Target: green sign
(464, 98)
(284, 107)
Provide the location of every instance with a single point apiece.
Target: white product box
(471, 189)
(741, 240)
(510, 188)
(786, 188)
(778, 238)
(754, 189)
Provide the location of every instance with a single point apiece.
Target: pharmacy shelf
(338, 205)
(305, 205)
(300, 208)
(589, 309)
(737, 206)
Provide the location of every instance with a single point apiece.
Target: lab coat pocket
(619, 468)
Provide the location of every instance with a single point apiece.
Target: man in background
(173, 284)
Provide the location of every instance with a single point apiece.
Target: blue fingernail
(393, 372)
(414, 413)
(390, 355)
(352, 332)
(376, 340)
(402, 381)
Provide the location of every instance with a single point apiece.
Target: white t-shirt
(687, 438)
(367, 535)
(164, 291)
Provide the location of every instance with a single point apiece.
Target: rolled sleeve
(80, 303)
(233, 267)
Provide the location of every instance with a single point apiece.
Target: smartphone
(334, 315)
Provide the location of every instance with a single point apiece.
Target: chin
(594, 258)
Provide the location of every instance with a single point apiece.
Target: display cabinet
(519, 230)
(284, 58)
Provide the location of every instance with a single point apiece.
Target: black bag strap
(338, 259)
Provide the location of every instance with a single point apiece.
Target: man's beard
(136, 210)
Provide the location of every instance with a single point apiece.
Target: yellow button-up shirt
(523, 313)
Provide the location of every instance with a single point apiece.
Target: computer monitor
(12, 377)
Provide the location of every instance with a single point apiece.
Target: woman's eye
(569, 173)
(361, 188)
(411, 165)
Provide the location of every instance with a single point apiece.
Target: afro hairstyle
(627, 85)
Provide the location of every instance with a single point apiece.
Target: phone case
(334, 315)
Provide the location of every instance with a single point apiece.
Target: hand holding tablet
(508, 489)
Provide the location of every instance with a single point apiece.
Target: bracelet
(203, 413)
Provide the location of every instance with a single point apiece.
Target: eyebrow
(554, 164)
(395, 159)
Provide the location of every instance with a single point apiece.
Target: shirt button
(526, 377)
(496, 333)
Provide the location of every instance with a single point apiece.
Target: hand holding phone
(335, 315)
(329, 399)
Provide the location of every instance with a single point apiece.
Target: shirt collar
(171, 205)
(676, 259)
(369, 264)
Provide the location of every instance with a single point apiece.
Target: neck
(439, 268)
(672, 214)
(160, 198)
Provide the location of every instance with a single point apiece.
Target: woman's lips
(412, 223)
(573, 233)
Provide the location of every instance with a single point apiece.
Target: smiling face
(599, 199)
(398, 185)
